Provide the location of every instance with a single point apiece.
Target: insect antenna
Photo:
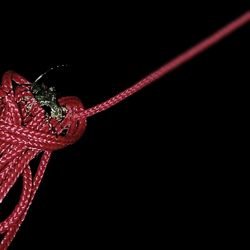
(51, 69)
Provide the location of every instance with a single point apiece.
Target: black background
(157, 164)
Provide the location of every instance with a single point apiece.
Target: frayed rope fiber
(27, 131)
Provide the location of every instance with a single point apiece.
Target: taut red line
(173, 64)
(26, 130)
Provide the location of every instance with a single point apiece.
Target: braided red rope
(173, 64)
(26, 131)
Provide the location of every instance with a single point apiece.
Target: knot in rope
(27, 130)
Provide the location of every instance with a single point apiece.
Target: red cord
(26, 131)
(176, 62)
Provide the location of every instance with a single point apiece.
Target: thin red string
(173, 64)
(26, 131)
